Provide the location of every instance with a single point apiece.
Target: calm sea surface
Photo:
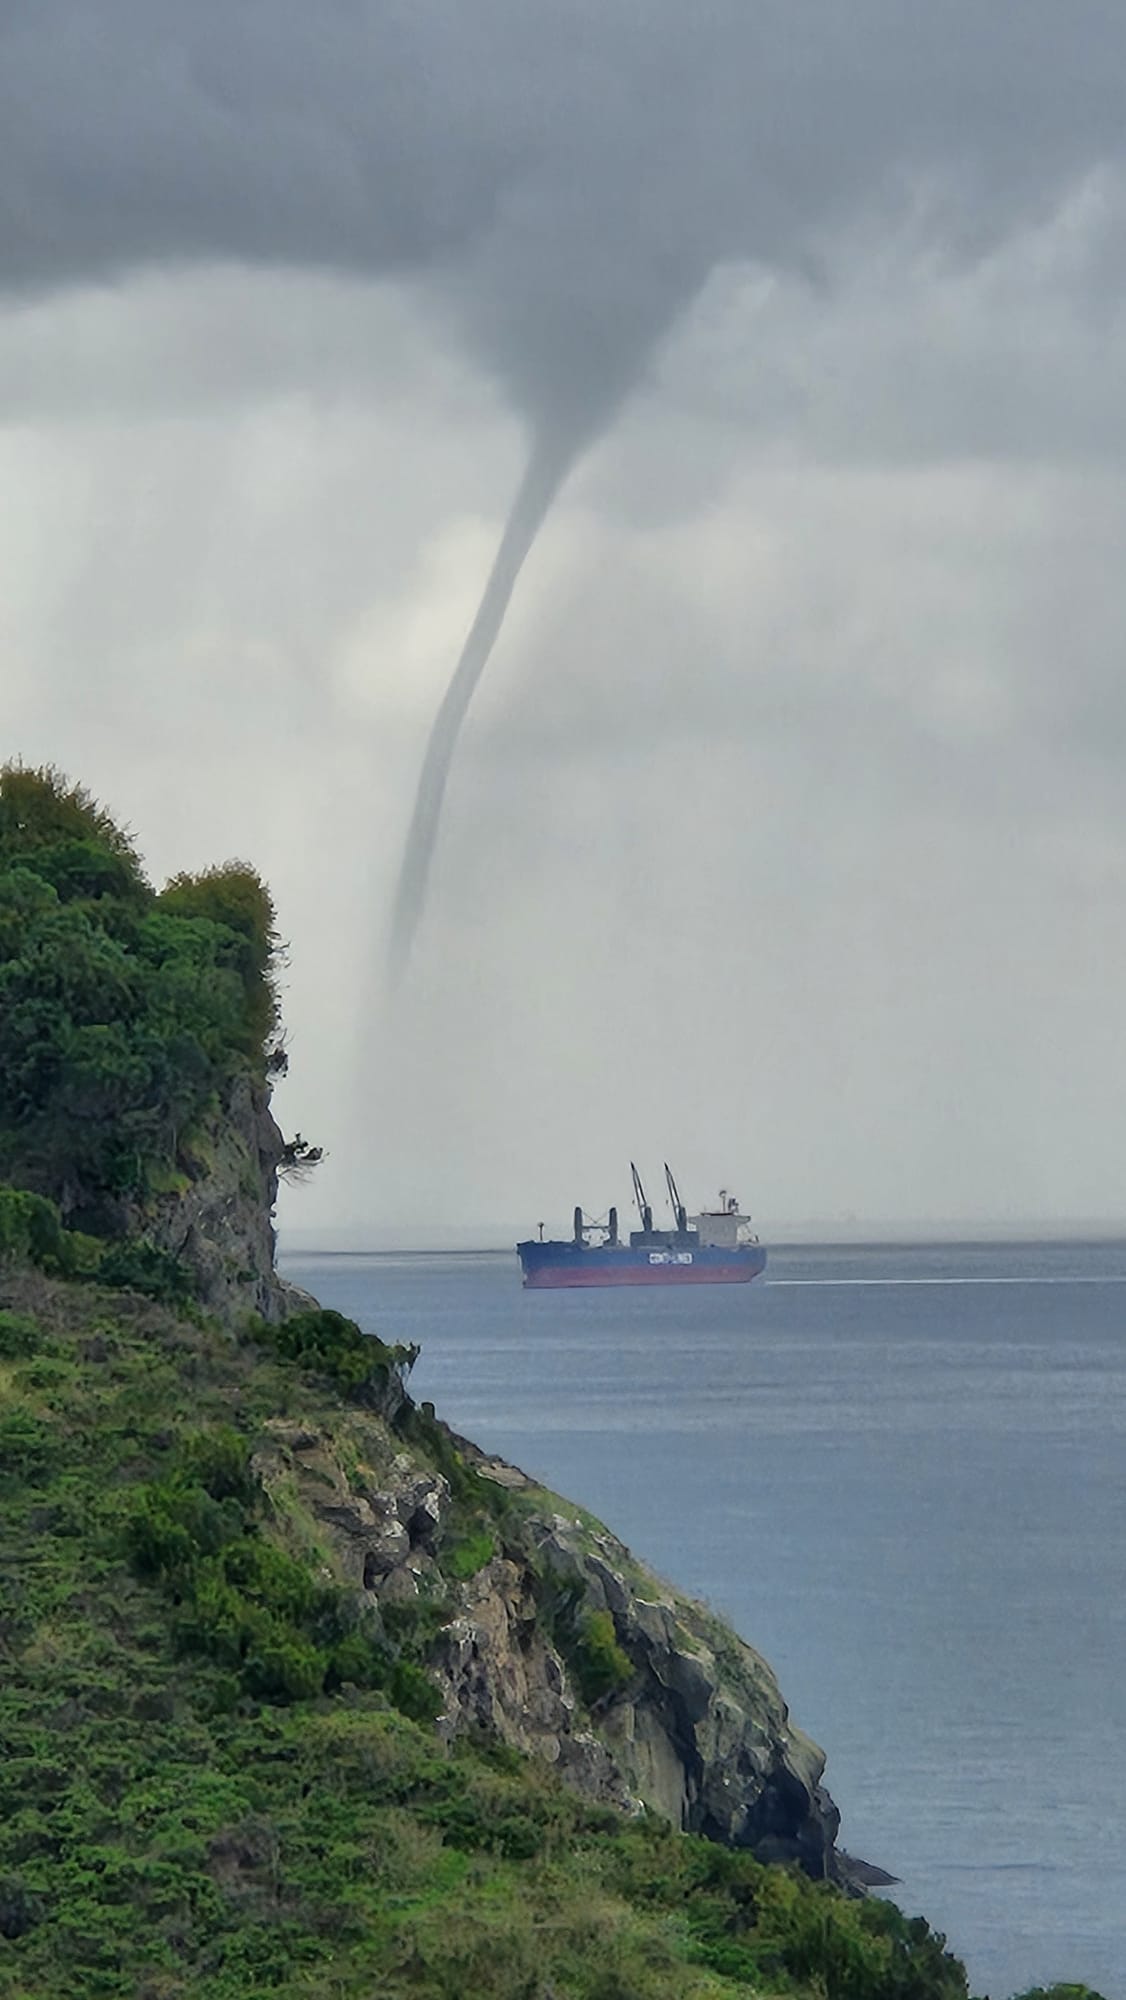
(901, 1473)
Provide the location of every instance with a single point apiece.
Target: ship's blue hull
(568, 1265)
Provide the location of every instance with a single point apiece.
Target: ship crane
(679, 1212)
(643, 1207)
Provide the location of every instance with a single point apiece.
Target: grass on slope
(179, 1819)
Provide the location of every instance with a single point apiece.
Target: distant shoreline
(885, 1237)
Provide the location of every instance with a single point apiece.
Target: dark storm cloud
(560, 178)
(565, 174)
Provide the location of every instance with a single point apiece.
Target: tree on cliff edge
(124, 1015)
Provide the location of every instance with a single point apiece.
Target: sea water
(901, 1473)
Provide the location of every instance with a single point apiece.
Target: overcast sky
(785, 838)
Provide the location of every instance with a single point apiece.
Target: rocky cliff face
(682, 1718)
(693, 1727)
(219, 1219)
(697, 1729)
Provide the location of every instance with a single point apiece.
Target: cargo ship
(716, 1247)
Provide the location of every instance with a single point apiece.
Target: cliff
(691, 1723)
(557, 1640)
(216, 1215)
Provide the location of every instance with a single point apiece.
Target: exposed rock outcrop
(501, 1673)
(690, 1722)
(693, 1727)
(219, 1220)
(700, 1731)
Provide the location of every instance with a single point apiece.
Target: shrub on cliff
(122, 1014)
(1064, 1992)
(235, 900)
(139, 1266)
(333, 1346)
(60, 832)
(242, 1602)
(599, 1664)
(31, 1232)
(19, 1336)
(586, 1638)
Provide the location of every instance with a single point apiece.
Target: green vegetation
(1064, 1992)
(31, 1232)
(464, 1555)
(219, 1778)
(19, 1336)
(123, 1014)
(600, 1665)
(334, 1347)
(586, 1640)
(239, 1599)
